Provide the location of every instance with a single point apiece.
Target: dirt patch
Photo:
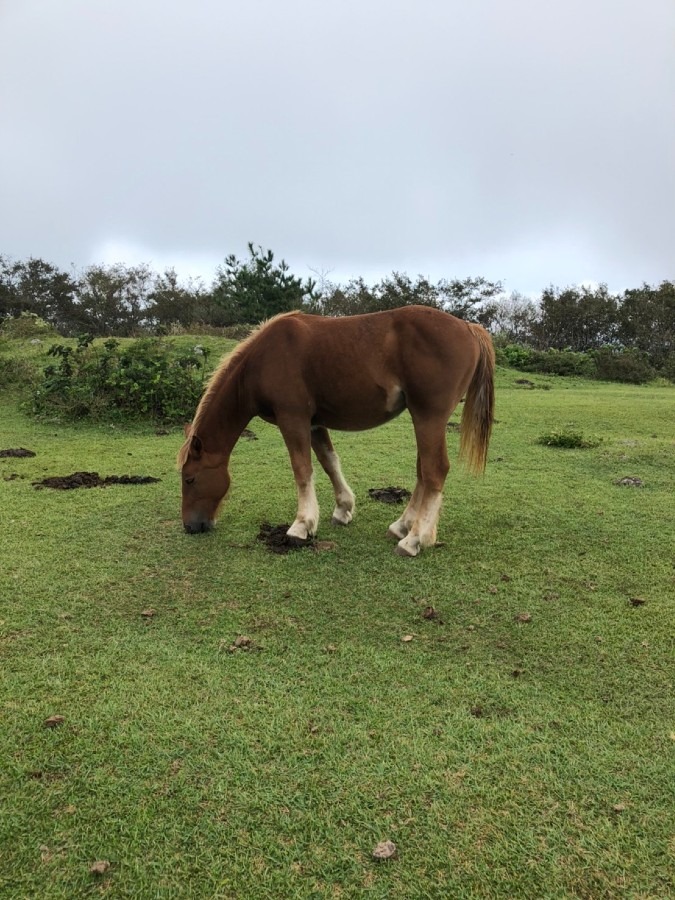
(89, 480)
(453, 426)
(277, 541)
(389, 494)
(249, 435)
(630, 481)
(18, 452)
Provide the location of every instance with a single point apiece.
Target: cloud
(526, 141)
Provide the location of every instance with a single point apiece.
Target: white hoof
(409, 546)
(341, 516)
(301, 531)
(397, 530)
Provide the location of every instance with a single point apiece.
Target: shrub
(17, 372)
(25, 326)
(513, 355)
(546, 362)
(630, 366)
(668, 370)
(568, 439)
(108, 382)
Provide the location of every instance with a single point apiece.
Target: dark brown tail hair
(479, 404)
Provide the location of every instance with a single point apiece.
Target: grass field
(522, 744)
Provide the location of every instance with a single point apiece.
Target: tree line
(120, 300)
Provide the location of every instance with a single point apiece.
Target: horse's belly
(369, 409)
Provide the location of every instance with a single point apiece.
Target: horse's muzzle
(197, 527)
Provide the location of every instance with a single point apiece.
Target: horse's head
(205, 481)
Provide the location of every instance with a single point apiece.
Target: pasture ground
(521, 744)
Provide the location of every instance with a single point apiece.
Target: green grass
(504, 758)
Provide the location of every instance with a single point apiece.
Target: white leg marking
(307, 520)
(423, 532)
(344, 496)
(400, 528)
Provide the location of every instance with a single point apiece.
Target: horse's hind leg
(330, 462)
(433, 469)
(297, 439)
(400, 528)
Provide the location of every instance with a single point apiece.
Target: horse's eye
(189, 481)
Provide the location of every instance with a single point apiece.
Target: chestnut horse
(306, 374)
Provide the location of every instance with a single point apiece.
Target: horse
(309, 373)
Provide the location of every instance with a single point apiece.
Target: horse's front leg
(330, 462)
(297, 439)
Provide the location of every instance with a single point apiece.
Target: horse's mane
(217, 377)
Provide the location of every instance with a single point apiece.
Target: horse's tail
(478, 413)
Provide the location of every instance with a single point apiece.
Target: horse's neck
(226, 416)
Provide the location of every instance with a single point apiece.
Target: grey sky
(525, 140)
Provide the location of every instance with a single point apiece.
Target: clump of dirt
(249, 435)
(453, 426)
(277, 541)
(525, 381)
(630, 481)
(18, 452)
(89, 480)
(389, 494)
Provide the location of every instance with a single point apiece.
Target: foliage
(551, 362)
(26, 325)
(17, 372)
(578, 318)
(107, 300)
(463, 298)
(110, 382)
(36, 287)
(249, 291)
(627, 365)
(647, 322)
(567, 438)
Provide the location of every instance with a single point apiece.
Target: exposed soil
(89, 480)
(389, 494)
(630, 481)
(249, 435)
(19, 451)
(277, 541)
(453, 426)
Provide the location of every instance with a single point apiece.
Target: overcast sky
(531, 141)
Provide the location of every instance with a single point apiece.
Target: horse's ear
(196, 447)
(187, 428)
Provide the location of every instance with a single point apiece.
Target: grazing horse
(306, 374)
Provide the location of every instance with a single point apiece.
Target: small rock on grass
(407, 638)
(242, 642)
(54, 721)
(100, 867)
(384, 850)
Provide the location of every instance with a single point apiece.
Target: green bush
(26, 325)
(110, 382)
(567, 438)
(546, 362)
(668, 370)
(513, 355)
(630, 366)
(16, 372)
